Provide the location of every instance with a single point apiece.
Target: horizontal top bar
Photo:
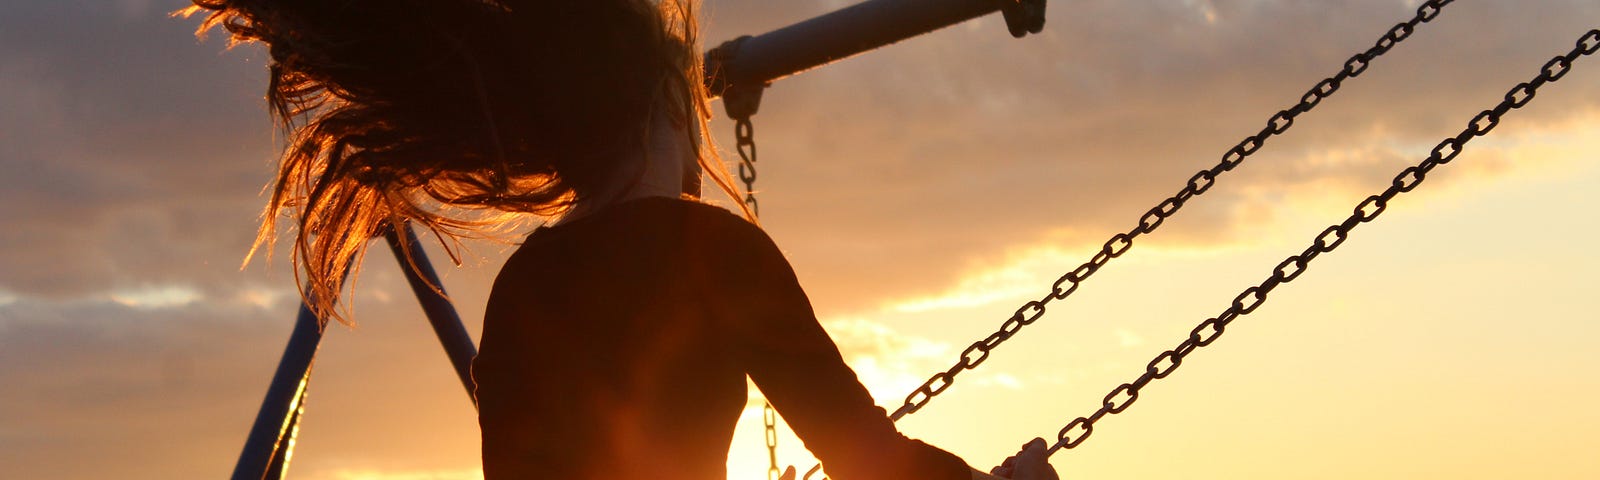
(835, 36)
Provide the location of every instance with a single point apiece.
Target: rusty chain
(1209, 330)
(1280, 122)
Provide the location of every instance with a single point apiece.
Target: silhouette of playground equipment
(739, 70)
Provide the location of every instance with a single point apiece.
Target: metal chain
(770, 418)
(976, 353)
(1209, 330)
(744, 134)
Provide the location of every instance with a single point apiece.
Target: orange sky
(922, 192)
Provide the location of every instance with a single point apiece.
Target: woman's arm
(797, 366)
(774, 335)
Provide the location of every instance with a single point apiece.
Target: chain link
(1251, 298)
(1280, 122)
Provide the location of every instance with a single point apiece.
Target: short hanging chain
(1251, 298)
(744, 133)
(1280, 122)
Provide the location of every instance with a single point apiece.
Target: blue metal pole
(280, 409)
(441, 314)
(285, 449)
(270, 442)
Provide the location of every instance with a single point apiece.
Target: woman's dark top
(616, 347)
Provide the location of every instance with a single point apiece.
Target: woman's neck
(662, 169)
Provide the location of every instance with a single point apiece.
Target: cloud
(1003, 380)
(889, 174)
(888, 363)
(146, 392)
(136, 153)
(892, 363)
(1127, 338)
(164, 296)
(168, 390)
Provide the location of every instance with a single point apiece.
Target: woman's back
(598, 352)
(617, 346)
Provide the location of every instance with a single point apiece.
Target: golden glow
(923, 192)
(1392, 358)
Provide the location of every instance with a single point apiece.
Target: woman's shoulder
(703, 212)
(655, 212)
(656, 220)
(716, 231)
(710, 232)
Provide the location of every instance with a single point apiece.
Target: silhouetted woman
(618, 337)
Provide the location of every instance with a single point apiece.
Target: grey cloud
(156, 393)
(134, 153)
(146, 393)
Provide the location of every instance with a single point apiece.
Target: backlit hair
(455, 114)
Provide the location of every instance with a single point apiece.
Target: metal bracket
(742, 101)
(741, 97)
(1023, 16)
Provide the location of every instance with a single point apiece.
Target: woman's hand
(1032, 463)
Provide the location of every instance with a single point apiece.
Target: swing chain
(741, 107)
(745, 142)
(769, 417)
(1280, 122)
(1121, 397)
(741, 100)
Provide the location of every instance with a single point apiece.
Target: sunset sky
(922, 192)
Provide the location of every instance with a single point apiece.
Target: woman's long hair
(455, 114)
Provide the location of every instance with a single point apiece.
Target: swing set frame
(737, 71)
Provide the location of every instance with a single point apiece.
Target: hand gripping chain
(976, 353)
(1209, 330)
